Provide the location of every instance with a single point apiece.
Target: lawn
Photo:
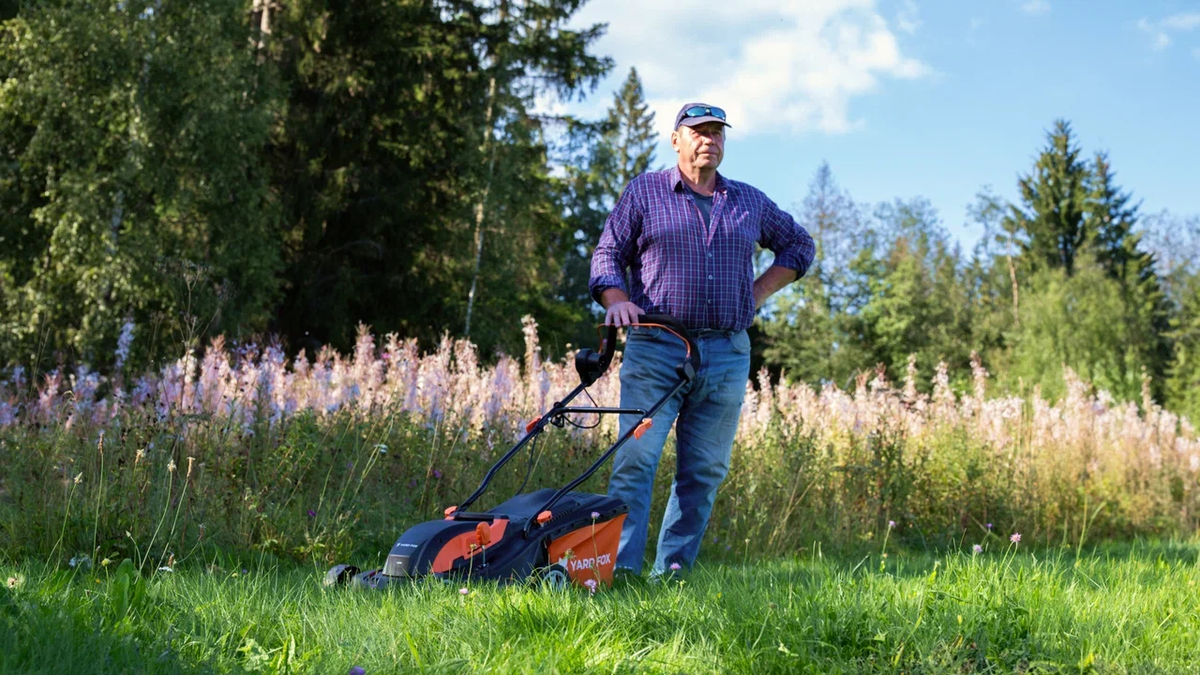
(1128, 608)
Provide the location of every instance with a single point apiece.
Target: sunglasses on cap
(704, 111)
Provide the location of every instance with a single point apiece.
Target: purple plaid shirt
(704, 278)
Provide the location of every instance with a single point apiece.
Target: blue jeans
(707, 410)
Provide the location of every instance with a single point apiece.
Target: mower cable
(577, 425)
(529, 471)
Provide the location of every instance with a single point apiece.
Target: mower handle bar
(590, 366)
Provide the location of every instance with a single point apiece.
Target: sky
(908, 98)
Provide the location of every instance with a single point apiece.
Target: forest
(286, 172)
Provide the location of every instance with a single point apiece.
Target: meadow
(1127, 609)
(920, 526)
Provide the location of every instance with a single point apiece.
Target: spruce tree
(629, 135)
(1111, 221)
(1053, 207)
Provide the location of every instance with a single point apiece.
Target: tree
(1051, 219)
(530, 51)
(398, 127)
(598, 160)
(130, 180)
(918, 301)
(806, 333)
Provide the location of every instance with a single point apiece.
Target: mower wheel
(554, 577)
(340, 575)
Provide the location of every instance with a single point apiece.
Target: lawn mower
(555, 537)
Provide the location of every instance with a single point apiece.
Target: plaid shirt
(704, 278)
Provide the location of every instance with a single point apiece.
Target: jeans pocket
(643, 333)
(740, 341)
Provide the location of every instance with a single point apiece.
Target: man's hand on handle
(620, 311)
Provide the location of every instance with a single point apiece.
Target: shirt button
(710, 255)
(710, 277)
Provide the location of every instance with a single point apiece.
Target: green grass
(1116, 609)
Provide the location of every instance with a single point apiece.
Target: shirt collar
(676, 176)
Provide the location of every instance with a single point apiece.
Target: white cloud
(908, 18)
(1182, 22)
(772, 64)
(1035, 7)
(1159, 32)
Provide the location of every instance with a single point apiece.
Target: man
(687, 236)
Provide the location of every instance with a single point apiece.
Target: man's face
(701, 147)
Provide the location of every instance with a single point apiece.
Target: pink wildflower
(675, 567)
(891, 524)
(595, 515)
(976, 549)
(463, 591)
(591, 585)
(1015, 538)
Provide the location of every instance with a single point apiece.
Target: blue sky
(910, 98)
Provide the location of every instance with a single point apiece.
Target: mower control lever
(591, 365)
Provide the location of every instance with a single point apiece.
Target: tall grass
(328, 457)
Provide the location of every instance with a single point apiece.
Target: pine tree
(629, 137)
(811, 334)
(1111, 220)
(1054, 198)
(599, 159)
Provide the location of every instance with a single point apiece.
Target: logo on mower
(576, 564)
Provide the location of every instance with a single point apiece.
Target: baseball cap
(693, 114)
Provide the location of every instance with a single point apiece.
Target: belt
(712, 332)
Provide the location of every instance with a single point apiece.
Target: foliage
(130, 179)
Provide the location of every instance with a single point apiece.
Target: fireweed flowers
(1086, 433)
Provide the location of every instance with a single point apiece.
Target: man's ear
(675, 139)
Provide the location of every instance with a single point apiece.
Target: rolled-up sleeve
(793, 246)
(617, 245)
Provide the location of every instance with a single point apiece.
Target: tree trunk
(481, 206)
(1012, 274)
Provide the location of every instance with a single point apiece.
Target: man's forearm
(610, 296)
(775, 278)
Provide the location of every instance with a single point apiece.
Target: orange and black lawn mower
(557, 537)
